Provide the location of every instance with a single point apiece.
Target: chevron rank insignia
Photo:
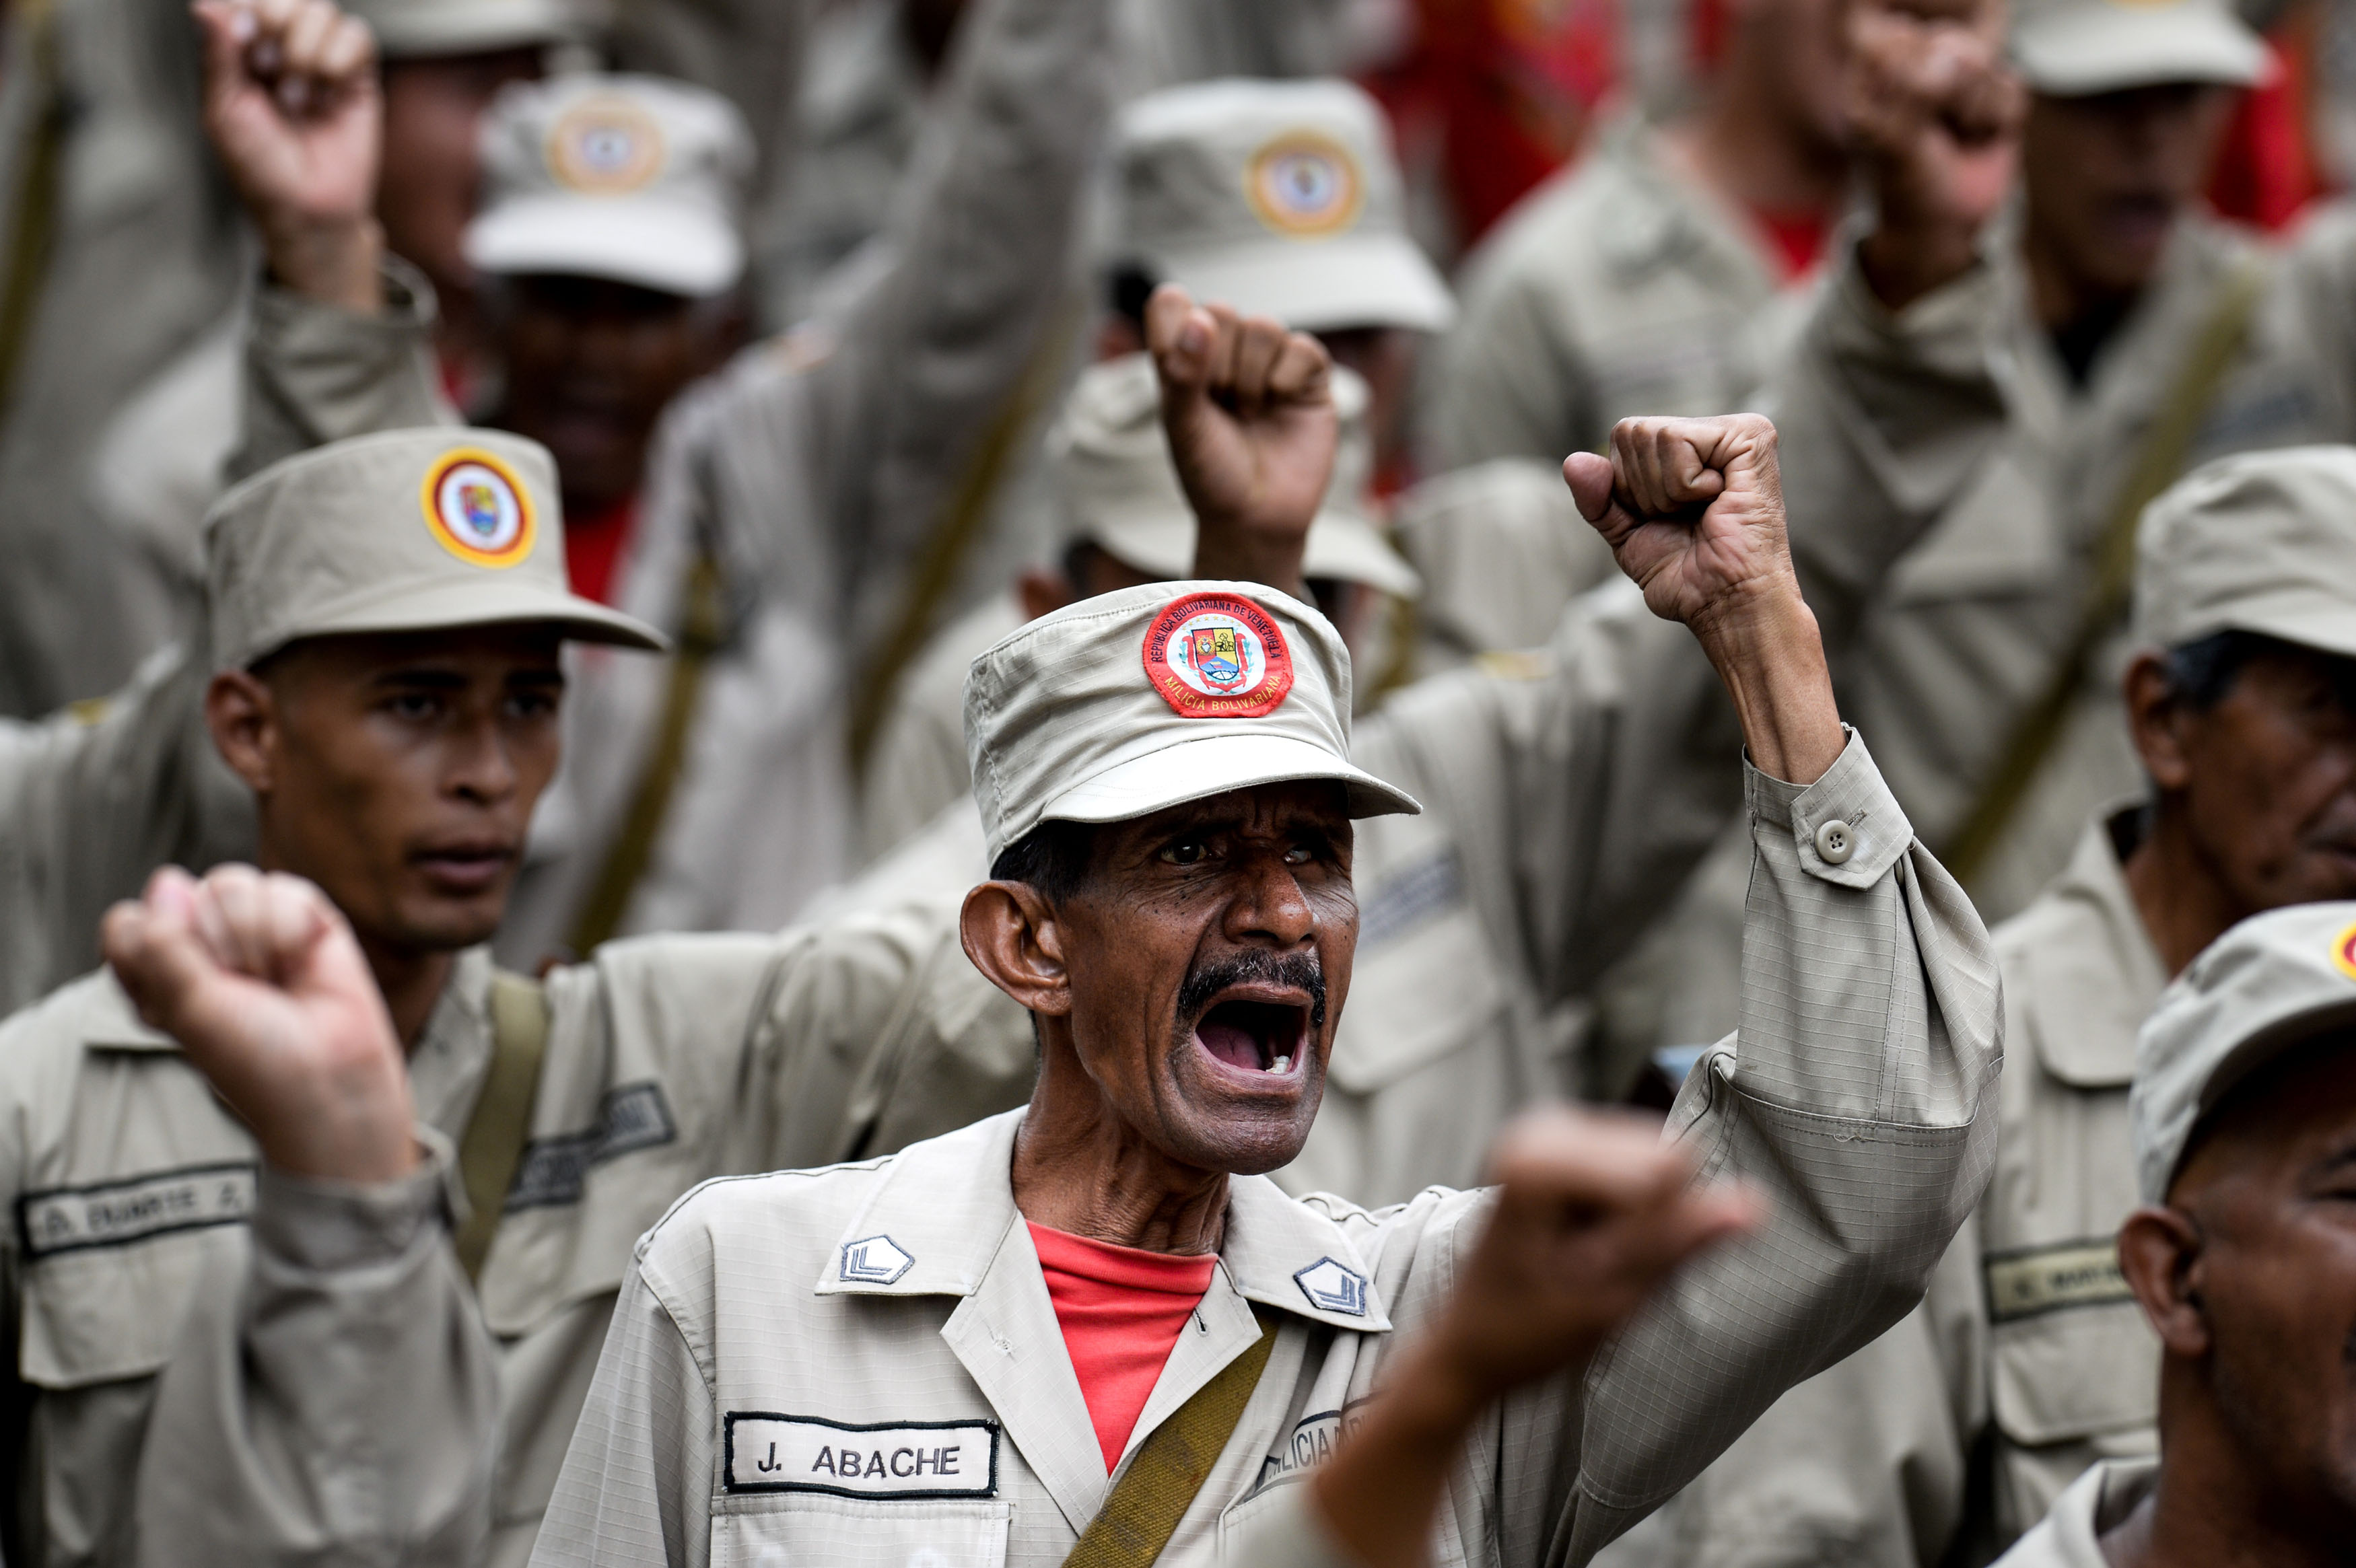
(1333, 1287)
(878, 1260)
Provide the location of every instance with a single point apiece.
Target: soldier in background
(1662, 272)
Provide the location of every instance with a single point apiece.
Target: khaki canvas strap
(934, 574)
(1154, 1493)
(2158, 462)
(33, 223)
(493, 1145)
(633, 848)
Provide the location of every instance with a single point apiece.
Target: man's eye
(1186, 852)
(1300, 855)
(531, 704)
(413, 706)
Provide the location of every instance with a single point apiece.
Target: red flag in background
(2268, 169)
(1497, 94)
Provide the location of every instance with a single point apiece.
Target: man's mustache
(1299, 970)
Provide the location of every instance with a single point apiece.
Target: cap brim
(1197, 770)
(676, 247)
(2109, 48)
(1317, 285)
(1346, 546)
(485, 602)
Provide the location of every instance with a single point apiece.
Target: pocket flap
(1998, 538)
(103, 1313)
(2072, 1372)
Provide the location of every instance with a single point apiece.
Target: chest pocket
(2073, 1373)
(99, 1309)
(808, 1532)
(1998, 539)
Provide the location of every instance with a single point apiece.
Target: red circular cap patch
(1218, 655)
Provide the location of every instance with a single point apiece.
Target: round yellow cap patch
(1305, 185)
(605, 146)
(477, 508)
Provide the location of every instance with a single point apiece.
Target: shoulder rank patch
(1333, 1287)
(2038, 1280)
(878, 1260)
(766, 1452)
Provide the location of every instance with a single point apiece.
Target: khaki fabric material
(1067, 719)
(2071, 1536)
(2270, 984)
(492, 1146)
(406, 530)
(281, 1378)
(1955, 418)
(143, 251)
(1619, 287)
(904, 1290)
(2027, 1356)
(635, 178)
(812, 471)
(2263, 543)
(1501, 548)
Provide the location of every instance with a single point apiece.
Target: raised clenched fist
(292, 107)
(260, 980)
(1934, 113)
(1248, 407)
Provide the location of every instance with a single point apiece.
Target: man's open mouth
(1257, 1037)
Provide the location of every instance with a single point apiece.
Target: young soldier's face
(1208, 954)
(399, 772)
(2272, 1189)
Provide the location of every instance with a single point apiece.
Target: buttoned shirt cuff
(325, 1225)
(1851, 794)
(411, 309)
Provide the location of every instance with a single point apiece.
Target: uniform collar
(2090, 992)
(114, 1023)
(939, 1216)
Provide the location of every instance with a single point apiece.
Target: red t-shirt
(1121, 1311)
(592, 545)
(1798, 238)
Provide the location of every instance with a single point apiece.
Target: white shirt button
(1835, 841)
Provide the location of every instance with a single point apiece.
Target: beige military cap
(425, 30)
(1281, 198)
(2265, 541)
(2271, 983)
(410, 531)
(1116, 487)
(2072, 49)
(635, 179)
(1128, 703)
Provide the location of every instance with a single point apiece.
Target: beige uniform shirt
(2097, 1502)
(123, 242)
(1956, 418)
(2030, 1342)
(1619, 287)
(253, 1356)
(772, 1327)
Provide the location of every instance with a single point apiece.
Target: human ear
(242, 714)
(2162, 1255)
(1012, 937)
(2156, 720)
(1043, 591)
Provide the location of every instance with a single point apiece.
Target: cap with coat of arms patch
(1116, 487)
(2271, 984)
(638, 179)
(2076, 49)
(1281, 198)
(1138, 700)
(410, 531)
(431, 29)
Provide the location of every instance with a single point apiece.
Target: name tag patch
(770, 1453)
(1313, 1440)
(552, 1170)
(116, 1213)
(2049, 1279)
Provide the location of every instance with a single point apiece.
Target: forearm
(1766, 649)
(341, 1397)
(336, 261)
